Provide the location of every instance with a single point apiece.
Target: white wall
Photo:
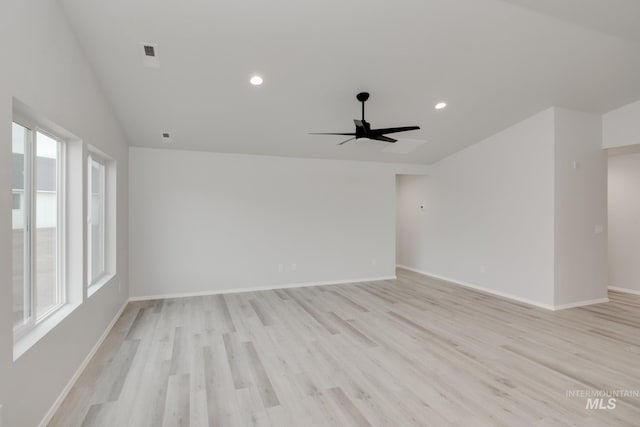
(43, 67)
(580, 208)
(512, 215)
(624, 221)
(489, 212)
(621, 127)
(203, 222)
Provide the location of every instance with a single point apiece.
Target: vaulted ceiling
(615, 17)
(494, 62)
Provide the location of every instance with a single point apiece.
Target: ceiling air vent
(150, 55)
(166, 137)
(149, 50)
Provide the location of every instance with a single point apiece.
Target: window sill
(21, 346)
(99, 283)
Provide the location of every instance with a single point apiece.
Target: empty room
(330, 213)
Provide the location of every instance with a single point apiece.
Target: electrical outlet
(374, 261)
(280, 268)
(483, 269)
(294, 267)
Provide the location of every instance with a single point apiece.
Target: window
(96, 220)
(17, 201)
(37, 223)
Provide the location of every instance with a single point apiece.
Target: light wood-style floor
(413, 351)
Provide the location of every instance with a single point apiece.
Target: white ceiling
(615, 17)
(494, 61)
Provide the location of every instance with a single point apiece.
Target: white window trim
(94, 283)
(110, 222)
(42, 328)
(23, 331)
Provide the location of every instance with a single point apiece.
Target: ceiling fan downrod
(362, 97)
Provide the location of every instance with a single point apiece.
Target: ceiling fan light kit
(363, 128)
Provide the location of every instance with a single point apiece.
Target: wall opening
(411, 209)
(624, 219)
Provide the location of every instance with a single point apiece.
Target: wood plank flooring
(412, 351)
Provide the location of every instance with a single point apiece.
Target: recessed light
(440, 105)
(256, 80)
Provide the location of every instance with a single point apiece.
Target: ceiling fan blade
(383, 138)
(350, 139)
(393, 130)
(333, 133)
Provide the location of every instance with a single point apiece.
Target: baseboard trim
(581, 303)
(624, 290)
(480, 288)
(257, 289)
(510, 296)
(507, 295)
(56, 405)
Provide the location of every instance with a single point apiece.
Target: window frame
(29, 200)
(93, 281)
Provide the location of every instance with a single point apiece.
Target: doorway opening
(624, 219)
(411, 210)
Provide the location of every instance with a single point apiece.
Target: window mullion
(61, 226)
(103, 231)
(27, 314)
(33, 225)
(89, 221)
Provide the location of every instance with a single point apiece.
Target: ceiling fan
(363, 128)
